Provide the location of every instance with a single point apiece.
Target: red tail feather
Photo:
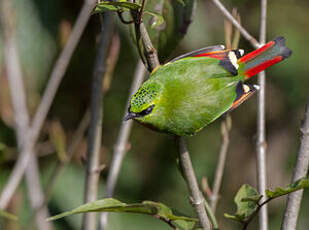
(264, 57)
(255, 53)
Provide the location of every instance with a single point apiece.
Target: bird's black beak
(129, 116)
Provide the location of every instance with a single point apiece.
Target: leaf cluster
(248, 200)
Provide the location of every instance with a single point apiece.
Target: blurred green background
(149, 171)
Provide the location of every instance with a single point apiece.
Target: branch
(122, 140)
(225, 128)
(242, 30)
(147, 51)
(21, 115)
(300, 170)
(84, 123)
(95, 130)
(261, 141)
(49, 94)
(197, 199)
(184, 157)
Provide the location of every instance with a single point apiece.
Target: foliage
(116, 6)
(158, 210)
(167, 21)
(299, 184)
(248, 199)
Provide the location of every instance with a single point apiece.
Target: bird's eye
(146, 111)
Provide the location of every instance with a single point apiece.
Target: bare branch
(122, 140)
(36, 194)
(242, 30)
(300, 170)
(96, 116)
(261, 124)
(151, 52)
(197, 199)
(225, 128)
(144, 44)
(21, 115)
(52, 86)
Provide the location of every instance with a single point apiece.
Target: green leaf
(116, 6)
(8, 215)
(255, 198)
(157, 20)
(167, 30)
(246, 200)
(155, 209)
(297, 185)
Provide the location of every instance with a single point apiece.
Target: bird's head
(143, 102)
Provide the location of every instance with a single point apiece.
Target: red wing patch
(202, 52)
(215, 54)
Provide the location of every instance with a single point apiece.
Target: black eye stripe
(145, 111)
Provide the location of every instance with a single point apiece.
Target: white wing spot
(257, 87)
(246, 88)
(233, 59)
(241, 51)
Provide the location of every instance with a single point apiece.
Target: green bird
(186, 94)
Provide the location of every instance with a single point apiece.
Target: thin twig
(242, 30)
(21, 115)
(96, 115)
(84, 123)
(248, 221)
(197, 199)
(121, 143)
(225, 128)
(36, 194)
(261, 123)
(300, 170)
(49, 94)
(146, 49)
(150, 51)
(77, 137)
(211, 215)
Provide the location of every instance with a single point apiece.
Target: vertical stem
(122, 140)
(261, 141)
(95, 130)
(300, 170)
(190, 178)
